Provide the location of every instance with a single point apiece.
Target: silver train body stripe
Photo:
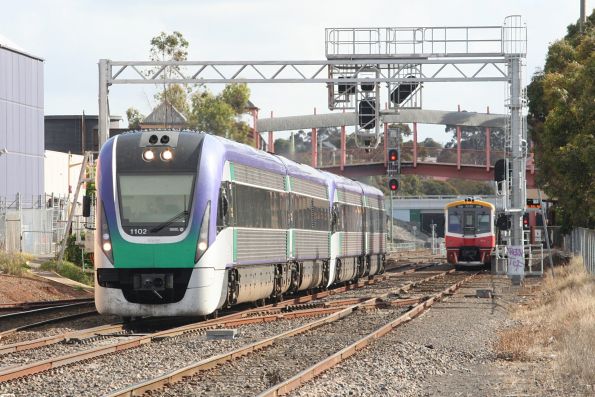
(261, 244)
(305, 187)
(311, 244)
(257, 177)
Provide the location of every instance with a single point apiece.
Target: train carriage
(191, 222)
(469, 232)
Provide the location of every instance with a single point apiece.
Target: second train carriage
(191, 222)
(469, 234)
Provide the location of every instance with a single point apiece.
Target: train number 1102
(138, 231)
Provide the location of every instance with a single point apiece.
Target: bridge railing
(358, 156)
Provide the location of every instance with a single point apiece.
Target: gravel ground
(59, 328)
(27, 289)
(55, 350)
(20, 321)
(445, 352)
(167, 355)
(113, 372)
(387, 285)
(257, 372)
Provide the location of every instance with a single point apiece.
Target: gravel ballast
(445, 352)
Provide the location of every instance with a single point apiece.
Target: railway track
(13, 322)
(318, 342)
(254, 321)
(25, 306)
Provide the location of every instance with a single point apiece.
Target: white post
(103, 122)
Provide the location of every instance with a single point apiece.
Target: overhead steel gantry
(359, 61)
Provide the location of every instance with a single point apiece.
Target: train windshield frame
(469, 219)
(153, 200)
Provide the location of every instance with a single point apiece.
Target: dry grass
(13, 263)
(561, 324)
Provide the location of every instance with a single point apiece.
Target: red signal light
(393, 185)
(392, 155)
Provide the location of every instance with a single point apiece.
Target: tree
(134, 117)
(171, 47)
(220, 114)
(562, 122)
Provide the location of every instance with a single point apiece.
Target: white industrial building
(21, 123)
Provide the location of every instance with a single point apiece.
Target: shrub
(68, 270)
(13, 263)
(562, 320)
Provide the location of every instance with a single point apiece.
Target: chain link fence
(581, 242)
(33, 226)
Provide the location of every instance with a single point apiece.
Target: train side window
(454, 223)
(483, 223)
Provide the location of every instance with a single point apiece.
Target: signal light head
(392, 155)
(393, 185)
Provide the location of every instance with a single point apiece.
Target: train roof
(343, 183)
(247, 155)
(303, 171)
(370, 191)
(244, 154)
(471, 201)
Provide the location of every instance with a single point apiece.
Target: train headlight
(106, 242)
(203, 235)
(148, 155)
(167, 155)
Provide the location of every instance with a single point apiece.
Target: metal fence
(581, 242)
(33, 226)
(534, 258)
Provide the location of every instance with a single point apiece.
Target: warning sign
(516, 260)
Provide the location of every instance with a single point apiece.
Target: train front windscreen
(149, 201)
(469, 219)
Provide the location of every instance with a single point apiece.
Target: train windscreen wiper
(169, 221)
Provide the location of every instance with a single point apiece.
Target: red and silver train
(469, 232)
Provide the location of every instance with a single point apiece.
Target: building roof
(10, 45)
(78, 117)
(165, 114)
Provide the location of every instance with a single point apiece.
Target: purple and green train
(189, 223)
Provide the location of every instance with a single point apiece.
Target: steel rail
(12, 331)
(232, 319)
(43, 310)
(212, 362)
(100, 330)
(40, 304)
(310, 373)
(50, 340)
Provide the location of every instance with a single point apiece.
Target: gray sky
(72, 35)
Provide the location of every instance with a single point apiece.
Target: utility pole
(583, 18)
(104, 71)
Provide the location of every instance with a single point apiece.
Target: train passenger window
(259, 207)
(454, 223)
(483, 223)
(222, 209)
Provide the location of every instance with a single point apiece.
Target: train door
(468, 223)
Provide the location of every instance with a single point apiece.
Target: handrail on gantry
(428, 41)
